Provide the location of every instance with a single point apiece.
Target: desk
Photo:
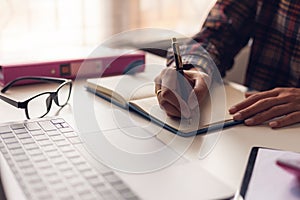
(226, 160)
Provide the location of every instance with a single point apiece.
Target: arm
(226, 30)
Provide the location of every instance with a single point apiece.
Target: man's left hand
(280, 105)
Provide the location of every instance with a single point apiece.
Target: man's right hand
(166, 88)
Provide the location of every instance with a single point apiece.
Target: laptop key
(3, 150)
(4, 129)
(58, 121)
(45, 142)
(29, 171)
(87, 196)
(83, 167)
(70, 134)
(25, 164)
(59, 188)
(89, 174)
(27, 141)
(58, 160)
(17, 126)
(23, 136)
(57, 138)
(69, 173)
(107, 194)
(72, 154)
(49, 148)
(96, 180)
(31, 146)
(54, 179)
(64, 166)
(66, 129)
(120, 186)
(32, 126)
(19, 151)
(62, 143)
(37, 132)
(77, 160)
(47, 125)
(14, 146)
(53, 133)
(38, 158)
(34, 180)
(43, 165)
(20, 131)
(75, 140)
(34, 152)
(10, 140)
(41, 137)
(44, 194)
(7, 135)
(66, 148)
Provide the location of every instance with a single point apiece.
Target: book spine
(82, 68)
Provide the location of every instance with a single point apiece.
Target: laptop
(47, 159)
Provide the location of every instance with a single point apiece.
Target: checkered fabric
(274, 29)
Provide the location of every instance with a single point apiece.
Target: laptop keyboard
(49, 161)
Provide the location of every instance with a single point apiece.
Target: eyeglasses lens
(63, 94)
(38, 106)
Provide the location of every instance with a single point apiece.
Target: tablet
(265, 179)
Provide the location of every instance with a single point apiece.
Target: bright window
(45, 23)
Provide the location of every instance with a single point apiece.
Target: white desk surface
(231, 147)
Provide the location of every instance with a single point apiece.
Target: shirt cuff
(197, 57)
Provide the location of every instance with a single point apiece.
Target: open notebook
(137, 93)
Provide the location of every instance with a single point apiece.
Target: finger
(157, 82)
(198, 93)
(252, 99)
(259, 106)
(171, 110)
(168, 99)
(289, 119)
(157, 88)
(248, 94)
(269, 114)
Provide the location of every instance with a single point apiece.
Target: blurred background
(46, 23)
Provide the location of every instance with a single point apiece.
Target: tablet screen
(264, 179)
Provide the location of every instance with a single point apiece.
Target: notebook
(136, 92)
(47, 159)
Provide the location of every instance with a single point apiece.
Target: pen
(179, 68)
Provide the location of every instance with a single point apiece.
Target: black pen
(179, 68)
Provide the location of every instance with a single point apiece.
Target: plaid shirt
(274, 27)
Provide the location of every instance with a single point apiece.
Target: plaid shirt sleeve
(226, 30)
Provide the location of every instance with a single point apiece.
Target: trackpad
(186, 181)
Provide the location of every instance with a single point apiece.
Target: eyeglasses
(39, 105)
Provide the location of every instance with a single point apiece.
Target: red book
(96, 66)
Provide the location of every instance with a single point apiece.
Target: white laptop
(46, 159)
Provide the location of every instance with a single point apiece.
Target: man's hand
(280, 105)
(166, 88)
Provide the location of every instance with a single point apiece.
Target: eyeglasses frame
(52, 95)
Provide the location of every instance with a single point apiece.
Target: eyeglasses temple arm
(44, 79)
(11, 102)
